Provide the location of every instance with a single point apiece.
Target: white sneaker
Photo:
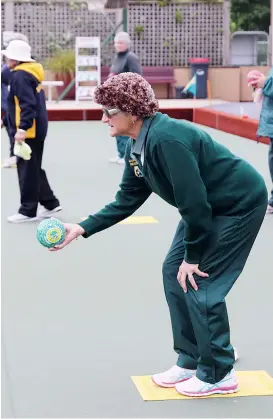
(197, 388)
(20, 218)
(118, 160)
(269, 209)
(236, 356)
(121, 161)
(10, 162)
(173, 376)
(48, 213)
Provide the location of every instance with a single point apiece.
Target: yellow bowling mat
(147, 219)
(251, 383)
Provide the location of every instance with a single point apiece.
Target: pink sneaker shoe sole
(221, 390)
(168, 385)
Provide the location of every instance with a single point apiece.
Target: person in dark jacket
(123, 62)
(27, 122)
(220, 221)
(5, 81)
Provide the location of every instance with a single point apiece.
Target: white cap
(18, 50)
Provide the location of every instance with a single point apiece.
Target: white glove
(22, 150)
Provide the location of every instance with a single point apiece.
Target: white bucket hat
(18, 50)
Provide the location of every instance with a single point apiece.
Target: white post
(49, 92)
(9, 15)
(119, 15)
(226, 40)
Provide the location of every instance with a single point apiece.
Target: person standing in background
(124, 61)
(265, 128)
(28, 122)
(5, 81)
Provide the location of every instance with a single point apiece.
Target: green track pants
(199, 318)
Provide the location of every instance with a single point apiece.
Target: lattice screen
(161, 35)
(47, 24)
(170, 35)
(2, 19)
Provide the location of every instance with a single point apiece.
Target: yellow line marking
(146, 219)
(140, 220)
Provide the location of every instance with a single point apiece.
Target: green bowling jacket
(189, 170)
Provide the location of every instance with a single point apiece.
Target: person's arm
(182, 171)
(4, 121)
(268, 87)
(25, 99)
(5, 80)
(133, 64)
(6, 75)
(132, 194)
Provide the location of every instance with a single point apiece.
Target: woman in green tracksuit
(222, 202)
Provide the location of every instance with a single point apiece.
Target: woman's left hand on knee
(186, 271)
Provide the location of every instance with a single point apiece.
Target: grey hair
(123, 37)
(14, 36)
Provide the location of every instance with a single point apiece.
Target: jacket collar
(139, 143)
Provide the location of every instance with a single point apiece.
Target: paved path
(252, 110)
(77, 324)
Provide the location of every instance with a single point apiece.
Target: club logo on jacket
(138, 172)
(133, 163)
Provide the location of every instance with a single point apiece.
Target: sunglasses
(110, 112)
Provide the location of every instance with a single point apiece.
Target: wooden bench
(154, 75)
(49, 84)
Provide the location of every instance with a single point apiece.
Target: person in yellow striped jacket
(28, 122)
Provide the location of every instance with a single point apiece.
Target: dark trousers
(11, 143)
(121, 145)
(270, 162)
(199, 318)
(34, 186)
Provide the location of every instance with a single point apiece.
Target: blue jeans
(121, 145)
(270, 162)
